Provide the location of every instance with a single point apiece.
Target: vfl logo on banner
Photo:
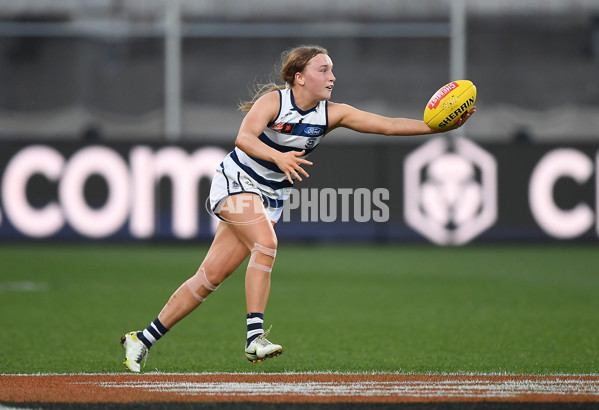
(450, 191)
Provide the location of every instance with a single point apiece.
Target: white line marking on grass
(14, 408)
(339, 384)
(24, 286)
(416, 389)
(157, 373)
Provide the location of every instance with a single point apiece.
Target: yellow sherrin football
(449, 103)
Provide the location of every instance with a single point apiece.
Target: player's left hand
(462, 120)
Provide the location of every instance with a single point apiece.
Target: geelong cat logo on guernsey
(450, 190)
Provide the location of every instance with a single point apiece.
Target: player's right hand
(289, 162)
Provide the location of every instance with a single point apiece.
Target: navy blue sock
(152, 333)
(255, 324)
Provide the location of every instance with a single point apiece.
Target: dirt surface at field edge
(297, 388)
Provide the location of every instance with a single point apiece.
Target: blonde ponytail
(260, 90)
(292, 61)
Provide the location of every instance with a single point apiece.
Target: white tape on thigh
(200, 280)
(269, 253)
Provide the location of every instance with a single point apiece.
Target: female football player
(283, 124)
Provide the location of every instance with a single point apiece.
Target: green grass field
(392, 308)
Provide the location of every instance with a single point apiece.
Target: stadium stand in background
(95, 69)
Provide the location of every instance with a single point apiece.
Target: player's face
(319, 78)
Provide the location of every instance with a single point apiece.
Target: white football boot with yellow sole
(261, 349)
(135, 352)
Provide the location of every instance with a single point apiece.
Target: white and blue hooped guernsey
(292, 130)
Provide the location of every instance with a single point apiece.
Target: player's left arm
(344, 115)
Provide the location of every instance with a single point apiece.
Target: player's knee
(200, 286)
(262, 256)
(269, 241)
